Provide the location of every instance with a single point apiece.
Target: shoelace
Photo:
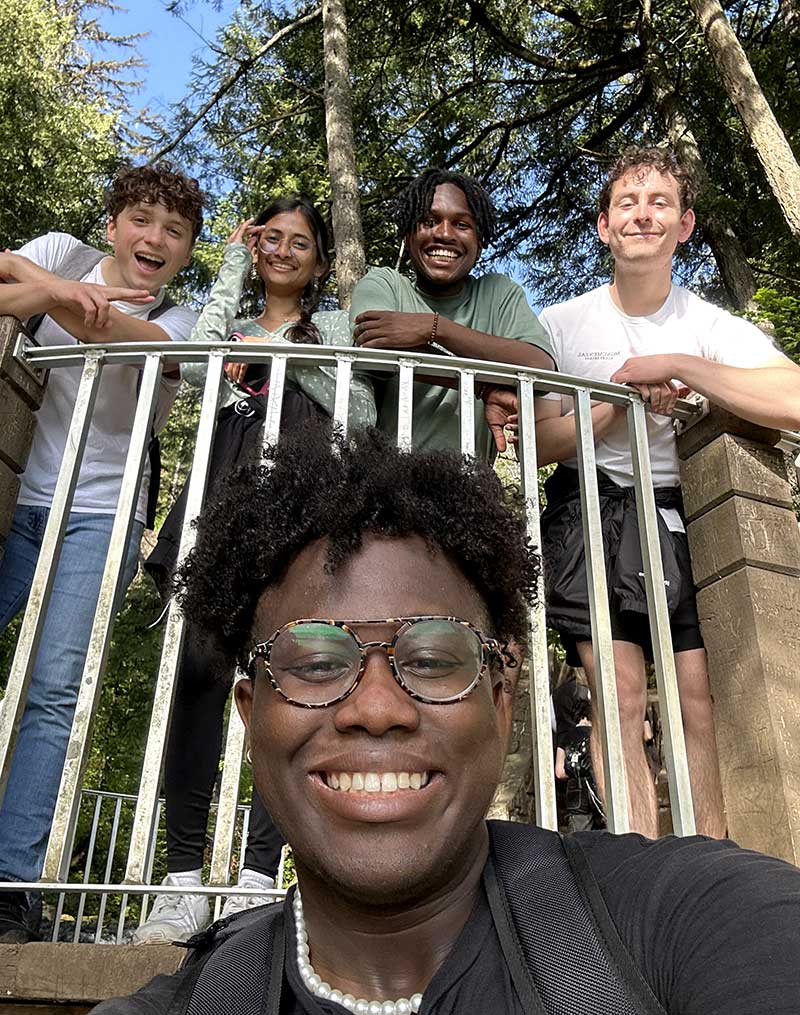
(170, 905)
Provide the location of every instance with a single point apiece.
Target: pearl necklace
(316, 985)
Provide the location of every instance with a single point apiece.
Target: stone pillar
(21, 392)
(745, 547)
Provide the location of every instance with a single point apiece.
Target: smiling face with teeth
(445, 244)
(151, 245)
(380, 795)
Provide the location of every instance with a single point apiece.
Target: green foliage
(60, 127)
(532, 100)
(783, 312)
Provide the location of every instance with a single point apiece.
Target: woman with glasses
(286, 248)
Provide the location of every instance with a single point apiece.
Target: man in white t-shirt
(642, 330)
(155, 216)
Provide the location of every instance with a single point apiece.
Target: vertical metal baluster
(151, 855)
(13, 704)
(466, 392)
(680, 790)
(112, 846)
(341, 407)
(98, 803)
(56, 864)
(245, 832)
(539, 662)
(121, 919)
(174, 634)
(281, 867)
(405, 404)
(277, 385)
(57, 916)
(602, 647)
(228, 800)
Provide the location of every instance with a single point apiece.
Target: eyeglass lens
(317, 662)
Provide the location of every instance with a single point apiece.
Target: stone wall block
(741, 532)
(17, 424)
(29, 384)
(47, 971)
(750, 621)
(731, 466)
(719, 421)
(9, 488)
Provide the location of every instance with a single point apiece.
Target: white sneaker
(173, 918)
(238, 903)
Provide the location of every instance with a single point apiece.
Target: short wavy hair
(316, 485)
(151, 184)
(663, 160)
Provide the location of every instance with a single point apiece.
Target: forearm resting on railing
(769, 395)
(555, 435)
(84, 309)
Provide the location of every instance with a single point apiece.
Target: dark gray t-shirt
(713, 929)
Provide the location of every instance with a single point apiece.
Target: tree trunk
(725, 246)
(346, 211)
(772, 148)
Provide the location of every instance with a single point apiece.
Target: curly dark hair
(663, 160)
(161, 182)
(314, 484)
(414, 203)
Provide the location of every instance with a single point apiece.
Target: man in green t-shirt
(445, 219)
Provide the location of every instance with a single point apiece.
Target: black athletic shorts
(635, 627)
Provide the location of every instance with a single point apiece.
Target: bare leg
(697, 710)
(632, 698)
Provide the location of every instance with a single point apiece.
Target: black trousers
(194, 748)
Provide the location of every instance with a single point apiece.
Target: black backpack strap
(239, 964)
(566, 954)
(166, 304)
(154, 447)
(639, 989)
(516, 959)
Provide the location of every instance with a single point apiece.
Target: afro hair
(314, 485)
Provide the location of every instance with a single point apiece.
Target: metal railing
(152, 358)
(80, 911)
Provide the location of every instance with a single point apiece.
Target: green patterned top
(218, 321)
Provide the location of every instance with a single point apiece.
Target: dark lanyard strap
(276, 952)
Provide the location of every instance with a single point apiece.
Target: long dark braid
(413, 204)
(304, 330)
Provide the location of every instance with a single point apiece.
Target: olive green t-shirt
(492, 304)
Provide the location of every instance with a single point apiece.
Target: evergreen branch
(525, 121)
(229, 82)
(627, 59)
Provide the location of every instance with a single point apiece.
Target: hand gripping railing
(152, 357)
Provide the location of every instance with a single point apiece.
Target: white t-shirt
(592, 338)
(97, 491)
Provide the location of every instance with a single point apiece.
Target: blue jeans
(27, 808)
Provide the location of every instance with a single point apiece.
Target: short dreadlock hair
(160, 183)
(316, 485)
(414, 203)
(636, 159)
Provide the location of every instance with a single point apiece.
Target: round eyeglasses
(315, 663)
